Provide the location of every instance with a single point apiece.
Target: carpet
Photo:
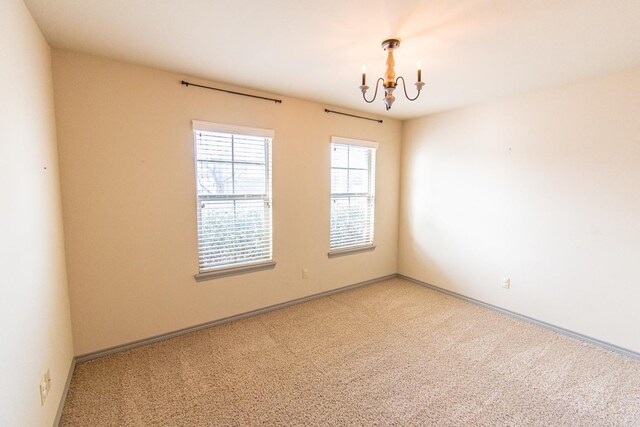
(391, 353)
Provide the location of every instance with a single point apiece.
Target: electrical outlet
(506, 283)
(305, 273)
(45, 386)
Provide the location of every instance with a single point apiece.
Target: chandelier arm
(404, 87)
(375, 93)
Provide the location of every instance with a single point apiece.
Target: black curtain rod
(277, 101)
(326, 110)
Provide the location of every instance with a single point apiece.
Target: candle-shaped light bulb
(364, 74)
(419, 71)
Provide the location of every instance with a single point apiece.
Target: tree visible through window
(234, 198)
(352, 193)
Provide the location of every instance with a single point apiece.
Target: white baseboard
(572, 334)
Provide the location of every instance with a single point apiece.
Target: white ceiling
(471, 50)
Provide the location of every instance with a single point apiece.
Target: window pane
(214, 178)
(339, 214)
(234, 232)
(234, 205)
(350, 224)
(359, 157)
(339, 181)
(214, 146)
(248, 150)
(353, 190)
(358, 181)
(249, 179)
(339, 156)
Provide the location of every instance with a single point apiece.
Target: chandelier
(390, 82)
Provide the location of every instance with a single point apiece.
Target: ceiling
(472, 50)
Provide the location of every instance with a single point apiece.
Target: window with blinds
(353, 166)
(233, 171)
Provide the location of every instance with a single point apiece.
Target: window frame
(235, 268)
(370, 195)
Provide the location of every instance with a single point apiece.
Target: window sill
(232, 271)
(349, 251)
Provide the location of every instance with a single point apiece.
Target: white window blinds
(233, 168)
(353, 165)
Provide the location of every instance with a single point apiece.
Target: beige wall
(126, 153)
(543, 188)
(34, 307)
(538, 188)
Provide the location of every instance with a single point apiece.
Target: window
(353, 165)
(233, 172)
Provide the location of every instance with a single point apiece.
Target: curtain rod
(326, 110)
(187, 84)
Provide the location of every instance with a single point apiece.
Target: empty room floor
(391, 353)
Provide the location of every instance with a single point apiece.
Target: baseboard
(567, 332)
(146, 341)
(63, 398)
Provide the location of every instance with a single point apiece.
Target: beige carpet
(392, 353)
